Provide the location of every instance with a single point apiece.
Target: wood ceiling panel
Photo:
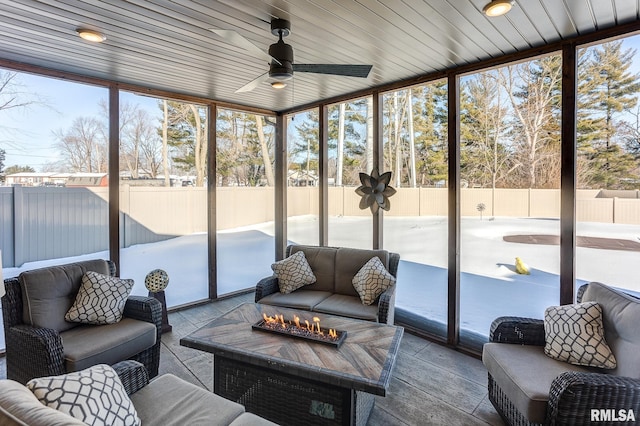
(447, 23)
(581, 13)
(603, 13)
(538, 16)
(626, 10)
(562, 20)
(414, 38)
(167, 44)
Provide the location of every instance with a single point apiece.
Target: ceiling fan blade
(236, 39)
(361, 71)
(253, 83)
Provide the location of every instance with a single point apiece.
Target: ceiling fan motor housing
(283, 53)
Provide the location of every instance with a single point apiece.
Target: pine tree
(607, 88)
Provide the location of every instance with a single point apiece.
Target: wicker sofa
(39, 342)
(527, 387)
(167, 400)
(333, 292)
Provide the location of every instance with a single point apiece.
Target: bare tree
(13, 95)
(533, 91)
(140, 145)
(84, 145)
(264, 149)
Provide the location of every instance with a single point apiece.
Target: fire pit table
(294, 381)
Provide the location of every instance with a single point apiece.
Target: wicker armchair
(333, 292)
(36, 351)
(577, 391)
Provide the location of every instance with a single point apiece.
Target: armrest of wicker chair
(574, 394)
(132, 374)
(266, 286)
(150, 310)
(144, 309)
(33, 352)
(517, 330)
(387, 306)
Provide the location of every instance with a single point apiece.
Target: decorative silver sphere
(156, 280)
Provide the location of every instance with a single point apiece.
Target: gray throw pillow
(372, 280)
(575, 334)
(94, 396)
(293, 272)
(100, 300)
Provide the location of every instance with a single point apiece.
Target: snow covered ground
(489, 285)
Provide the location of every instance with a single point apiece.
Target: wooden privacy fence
(40, 223)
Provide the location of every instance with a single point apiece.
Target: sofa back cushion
(348, 263)
(621, 316)
(322, 261)
(48, 293)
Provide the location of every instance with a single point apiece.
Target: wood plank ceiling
(167, 44)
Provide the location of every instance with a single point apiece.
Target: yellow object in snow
(521, 267)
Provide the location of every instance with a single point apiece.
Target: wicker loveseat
(39, 342)
(527, 387)
(333, 291)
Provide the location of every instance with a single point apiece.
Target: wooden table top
(363, 362)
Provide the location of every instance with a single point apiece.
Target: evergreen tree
(187, 134)
(430, 127)
(607, 89)
(483, 131)
(18, 169)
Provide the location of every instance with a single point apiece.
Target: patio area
(431, 384)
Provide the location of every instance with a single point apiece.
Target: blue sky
(27, 135)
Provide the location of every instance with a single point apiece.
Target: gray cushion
(48, 293)
(321, 260)
(621, 316)
(250, 419)
(89, 345)
(299, 299)
(347, 306)
(18, 406)
(170, 401)
(524, 373)
(348, 263)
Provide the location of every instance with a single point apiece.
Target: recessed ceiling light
(91, 35)
(278, 84)
(498, 7)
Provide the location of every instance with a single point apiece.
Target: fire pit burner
(305, 330)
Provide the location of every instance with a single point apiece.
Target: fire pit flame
(297, 328)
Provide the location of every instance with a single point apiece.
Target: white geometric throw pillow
(94, 396)
(372, 280)
(575, 334)
(100, 300)
(293, 272)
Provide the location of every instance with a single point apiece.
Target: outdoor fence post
(18, 226)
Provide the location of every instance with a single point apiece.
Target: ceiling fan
(280, 58)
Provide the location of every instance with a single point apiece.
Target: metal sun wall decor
(375, 191)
